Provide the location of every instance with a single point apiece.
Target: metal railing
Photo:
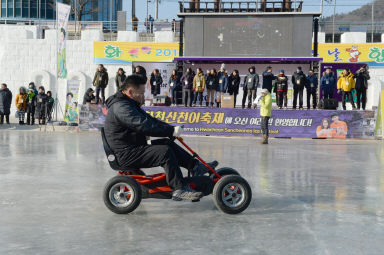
(246, 6)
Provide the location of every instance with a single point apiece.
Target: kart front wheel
(232, 194)
(122, 194)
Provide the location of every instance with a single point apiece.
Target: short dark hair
(334, 115)
(132, 81)
(41, 87)
(5, 85)
(70, 94)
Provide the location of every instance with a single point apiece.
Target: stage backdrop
(239, 122)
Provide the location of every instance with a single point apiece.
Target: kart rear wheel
(122, 194)
(224, 171)
(232, 194)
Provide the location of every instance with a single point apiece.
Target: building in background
(16, 11)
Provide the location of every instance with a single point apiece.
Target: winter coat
(362, 80)
(223, 83)
(328, 83)
(312, 83)
(41, 105)
(299, 80)
(141, 72)
(50, 102)
(156, 81)
(268, 79)
(5, 101)
(21, 102)
(251, 81)
(282, 83)
(266, 105)
(127, 125)
(119, 79)
(212, 82)
(187, 81)
(87, 98)
(31, 102)
(174, 83)
(199, 83)
(346, 82)
(233, 84)
(101, 79)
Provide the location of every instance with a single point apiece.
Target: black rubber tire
(135, 187)
(224, 171)
(217, 194)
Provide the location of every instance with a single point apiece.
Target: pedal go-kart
(124, 192)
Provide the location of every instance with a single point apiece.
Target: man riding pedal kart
(127, 127)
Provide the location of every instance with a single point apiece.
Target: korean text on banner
(63, 12)
(71, 102)
(126, 52)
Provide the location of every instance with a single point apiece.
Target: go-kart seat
(112, 160)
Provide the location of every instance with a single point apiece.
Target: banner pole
(57, 62)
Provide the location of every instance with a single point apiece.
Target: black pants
(251, 96)
(244, 98)
(282, 98)
(98, 91)
(264, 125)
(363, 94)
(30, 115)
(2, 118)
(187, 97)
(298, 93)
(314, 99)
(328, 95)
(163, 153)
(200, 96)
(234, 98)
(350, 99)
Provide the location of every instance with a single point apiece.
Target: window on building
(33, 9)
(3, 8)
(376, 38)
(25, 6)
(17, 8)
(329, 38)
(10, 8)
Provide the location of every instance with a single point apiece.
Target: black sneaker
(186, 193)
(200, 169)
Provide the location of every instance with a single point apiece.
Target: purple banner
(283, 123)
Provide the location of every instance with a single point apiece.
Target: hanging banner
(63, 12)
(71, 102)
(127, 52)
(371, 53)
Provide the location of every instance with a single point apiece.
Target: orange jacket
(21, 102)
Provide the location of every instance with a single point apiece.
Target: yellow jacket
(266, 105)
(21, 102)
(199, 82)
(346, 82)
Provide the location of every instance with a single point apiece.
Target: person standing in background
(265, 113)
(174, 85)
(345, 84)
(141, 71)
(100, 81)
(222, 86)
(251, 82)
(135, 22)
(31, 106)
(156, 81)
(21, 104)
(211, 83)
(50, 104)
(187, 81)
(198, 86)
(41, 106)
(120, 77)
(311, 86)
(362, 78)
(298, 80)
(268, 78)
(233, 85)
(328, 83)
(5, 103)
(282, 90)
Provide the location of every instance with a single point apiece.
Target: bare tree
(80, 8)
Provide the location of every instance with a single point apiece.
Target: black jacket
(212, 82)
(119, 79)
(41, 105)
(233, 84)
(88, 98)
(127, 125)
(362, 80)
(282, 83)
(5, 101)
(299, 80)
(101, 78)
(155, 88)
(268, 78)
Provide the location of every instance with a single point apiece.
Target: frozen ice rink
(309, 197)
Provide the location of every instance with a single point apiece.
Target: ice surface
(309, 197)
